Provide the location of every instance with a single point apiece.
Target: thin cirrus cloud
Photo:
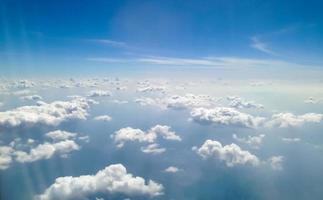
(113, 179)
(261, 46)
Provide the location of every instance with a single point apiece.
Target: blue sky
(65, 37)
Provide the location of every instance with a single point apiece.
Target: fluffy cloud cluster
(45, 113)
(237, 102)
(62, 144)
(46, 151)
(253, 141)
(283, 120)
(225, 116)
(230, 154)
(113, 179)
(130, 134)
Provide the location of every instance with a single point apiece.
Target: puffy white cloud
(31, 97)
(59, 135)
(283, 120)
(151, 88)
(237, 102)
(153, 149)
(45, 113)
(230, 154)
(5, 156)
(99, 93)
(171, 169)
(253, 141)
(225, 116)
(46, 151)
(113, 179)
(130, 134)
(276, 162)
(105, 118)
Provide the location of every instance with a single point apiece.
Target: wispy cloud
(261, 46)
(112, 43)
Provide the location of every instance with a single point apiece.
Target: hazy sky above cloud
(254, 39)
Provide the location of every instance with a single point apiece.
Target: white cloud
(130, 134)
(114, 179)
(99, 93)
(59, 135)
(105, 118)
(225, 116)
(230, 154)
(153, 149)
(31, 97)
(5, 156)
(276, 162)
(261, 46)
(237, 102)
(253, 141)
(171, 169)
(46, 151)
(45, 113)
(283, 120)
(291, 140)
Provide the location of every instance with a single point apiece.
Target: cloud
(276, 162)
(237, 102)
(99, 93)
(46, 151)
(130, 134)
(114, 179)
(45, 113)
(253, 141)
(261, 46)
(231, 154)
(284, 120)
(153, 149)
(31, 97)
(5, 156)
(178, 102)
(225, 116)
(59, 135)
(110, 43)
(105, 118)
(291, 140)
(171, 169)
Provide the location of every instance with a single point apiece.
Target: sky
(46, 37)
(161, 100)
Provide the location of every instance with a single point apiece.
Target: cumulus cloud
(59, 135)
(171, 169)
(283, 120)
(114, 179)
(253, 141)
(99, 93)
(153, 149)
(46, 151)
(231, 154)
(130, 134)
(237, 102)
(276, 162)
(5, 156)
(105, 118)
(225, 116)
(45, 113)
